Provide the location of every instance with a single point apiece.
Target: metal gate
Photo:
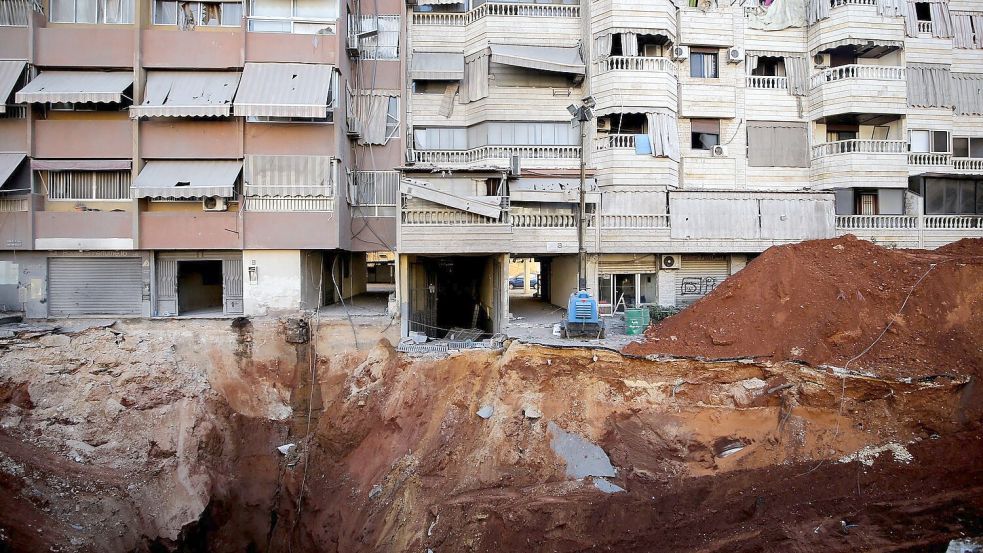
(698, 275)
(94, 286)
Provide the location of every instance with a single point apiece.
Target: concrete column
(737, 262)
(525, 277)
(403, 293)
(666, 286)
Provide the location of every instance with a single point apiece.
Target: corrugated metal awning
(182, 179)
(188, 94)
(861, 43)
(81, 164)
(437, 66)
(8, 164)
(284, 90)
(10, 72)
(561, 59)
(76, 86)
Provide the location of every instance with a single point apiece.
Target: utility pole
(582, 114)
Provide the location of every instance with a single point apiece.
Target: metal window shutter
(95, 286)
(627, 264)
(698, 275)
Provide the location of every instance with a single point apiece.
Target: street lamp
(582, 114)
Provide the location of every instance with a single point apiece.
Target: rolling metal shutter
(698, 275)
(94, 286)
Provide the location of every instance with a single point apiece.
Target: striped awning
(10, 72)
(437, 66)
(76, 86)
(288, 175)
(560, 59)
(863, 43)
(185, 179)
(284, 90)
(81, 164)
(188, 94)
(8, 164)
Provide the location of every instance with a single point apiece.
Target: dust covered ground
(163, 436)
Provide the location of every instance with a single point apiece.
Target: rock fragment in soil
(582, 457)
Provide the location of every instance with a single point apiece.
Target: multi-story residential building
(164, 157)
(717, 129)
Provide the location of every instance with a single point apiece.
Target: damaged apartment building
(171, 158)
(715, 130)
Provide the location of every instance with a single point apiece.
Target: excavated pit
(163, 436)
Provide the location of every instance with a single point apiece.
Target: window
(88, 106)
(92, 11)
(840, 132)
(392, 118)
(923, 11)
(921, 141)
(703, 65)
(705, 133)
(306, 17)
(953, 197)
(769, 67)
(967, 147)
(192, 14)
(87, 185)
(384, 45)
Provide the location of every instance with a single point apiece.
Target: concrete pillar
(403, 292)
(666, 286)
(737, 262)
(525, 275)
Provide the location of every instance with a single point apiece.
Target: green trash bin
(636, 321)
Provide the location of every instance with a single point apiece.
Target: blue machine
(582, 316)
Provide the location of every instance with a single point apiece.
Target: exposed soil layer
(825, 301)
(163, 437)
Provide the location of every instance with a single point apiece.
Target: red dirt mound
(826, 301)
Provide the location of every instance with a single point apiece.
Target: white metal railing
(859, 146)
(373, 188)
(16, 13)
(635, 221)
(291, 25)
(495, 9)
(11, 205)
(929, 158)
(636, 63)
(284, 205)
(14, 111)
(967, 163)
(768, 83)
(954, 222)
(858, 71)
(863, 222)
(415, 216)
(925, 27)
(484, 153)
(614, 141)
(547, 220)
(841, 3)
(88, 185)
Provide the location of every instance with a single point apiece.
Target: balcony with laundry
(637, 149)
(433, 23)
(633, 71)
(833, 23)
(496, 146)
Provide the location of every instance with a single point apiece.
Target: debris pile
(825, 302)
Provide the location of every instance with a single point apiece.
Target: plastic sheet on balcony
(284, 90)
(185, 179)
(76, 86)
(188, 94)
(10, 72)
(553, 190)
(8, 164)
(437, 66)
(560, 59)
(863, 44)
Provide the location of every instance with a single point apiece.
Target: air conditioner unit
(735, 55)
(680, 53)
(214, 203)
(515, 168)
(670, 261)
(719, 151)
(604, 125)
(820, 60)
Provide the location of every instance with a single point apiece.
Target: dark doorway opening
(199, 287)
(453, 292)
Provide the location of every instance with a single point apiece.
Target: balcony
(171, 48)
(625, 84)
(866, 90)
(444, 230)
(83, 230)
(615, 154)
(84, 46)
(16, 224)
(72, 139)
(634, 233)
(767, 83)
(295, 47)
(920, 163)
(649, 15)
(911, 231)
(176, 230)
(550, 232)
(860, 163)
(499, 157)
(542, 24)
(856, 22)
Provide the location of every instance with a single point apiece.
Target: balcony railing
(12, 205)
(767, 83)
(841, 3)
(967, 163)
(954, 222)
(485, 153)
(858, 71)
(495, 9)
(636, 63)
(859, 146)
(547, 220)
(370, 188)
(634, 221)
(614, 141)
(289, 205)
(928, 158)
(881, 222)
(413, 216)
(925, 27)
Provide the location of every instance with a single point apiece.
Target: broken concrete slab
(531, 412)
(607, 487)
(486, 411)
(285, 448)
(582, 457)
(966, 545)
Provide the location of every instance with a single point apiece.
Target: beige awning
(10, 72)
(861, 43)
(284, 90)
(183, 179)
(76, 86)
(81, 164)
(560, 59)
(8, 164)
(188, 94)
(288, 175)
(437, 66)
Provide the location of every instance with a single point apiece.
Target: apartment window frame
(376, 52)
(955, 196)
(392, 118)
(63, 186)
(934, 139)
(970, 149)
(199, 13)
(294, 22)
(100, 12)
(704, 55)
(696, 142)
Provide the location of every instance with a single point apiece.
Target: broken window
(703, 64)
(922, 141)
(92, 11)
(705, 133)
(967, 147)
(189, 15)
(384, 43)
